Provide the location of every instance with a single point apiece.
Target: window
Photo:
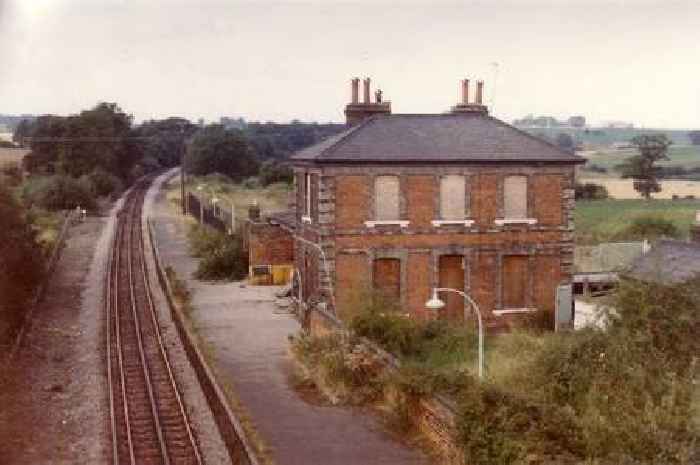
(515, 197)
(307, 198)
(514, 281)
(386, 198)
(387, 278)
(452, 197)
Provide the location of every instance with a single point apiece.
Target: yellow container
(281, 274)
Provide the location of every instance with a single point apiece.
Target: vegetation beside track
(627, 394)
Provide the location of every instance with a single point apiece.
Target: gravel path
(248, 340)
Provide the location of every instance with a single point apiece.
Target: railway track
(148, 419)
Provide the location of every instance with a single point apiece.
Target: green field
(686, 156)
(607, 136)
(606, 220)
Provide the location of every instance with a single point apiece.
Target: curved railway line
(148, 420)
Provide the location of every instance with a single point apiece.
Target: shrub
(222, 257)
(348, 370)
(58, 192)
(650, 227)
(103, 183)
(590, 191)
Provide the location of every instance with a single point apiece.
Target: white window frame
(306, 217)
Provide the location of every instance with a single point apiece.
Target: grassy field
(606, 220)
(607, 136)
(686, 156)
(272, 198)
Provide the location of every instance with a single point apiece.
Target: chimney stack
(472, 108)
(479, 92)
(465, 91)
(355, 90)
(356, 111)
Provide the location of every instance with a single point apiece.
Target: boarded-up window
(452, 197)
(515, 281)
(515, 197)
(386, 198)
(387, 278)
(452, 276)
(307, 195)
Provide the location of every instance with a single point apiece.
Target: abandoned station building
(402, 203)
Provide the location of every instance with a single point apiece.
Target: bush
(58, 192)
(222, 257)
(103, 183)
(590, 191)
(650, 227)
(21, 263)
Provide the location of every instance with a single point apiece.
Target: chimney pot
(378, 95)
(355, 89)
(366, 90)
(465, 91)
(479, 92)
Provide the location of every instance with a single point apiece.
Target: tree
(565, 141)
(694, 137)
(22, 131)
(77, 145)
(163, 141)
(577, 121)
(21, 262)
(214, 149)
(641, 168)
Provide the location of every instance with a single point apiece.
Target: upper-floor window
(307, 197)
(386, 198)
(515, 197)
(453, 204)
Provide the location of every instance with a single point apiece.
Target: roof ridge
(349, 132)
(527, 134)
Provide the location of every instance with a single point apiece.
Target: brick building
(401, 203)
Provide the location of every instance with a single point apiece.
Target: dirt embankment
(52, 395)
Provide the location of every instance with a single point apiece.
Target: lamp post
(213, 202)
(200, 188)
(435, 303)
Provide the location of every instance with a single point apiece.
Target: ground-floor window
(386, 277)
(514, 281)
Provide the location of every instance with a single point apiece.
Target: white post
(233, 218)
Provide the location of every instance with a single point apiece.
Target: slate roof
(668, 262)
(434, 138)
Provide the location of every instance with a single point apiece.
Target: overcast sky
(634, 60)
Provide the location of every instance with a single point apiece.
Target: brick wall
(421, 192)
(346, 201)
(269, 244)
(352, 201)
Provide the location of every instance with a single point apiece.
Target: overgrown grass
(624, 395)
(609, 220)
(271, 198)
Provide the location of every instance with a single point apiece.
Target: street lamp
(435, 303)
(213, 202)
(200, 188)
